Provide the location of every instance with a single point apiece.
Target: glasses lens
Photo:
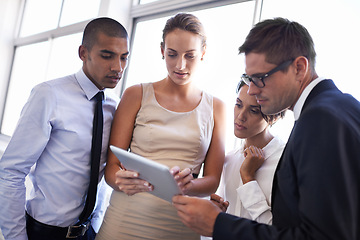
(246, 79)
(257, 81)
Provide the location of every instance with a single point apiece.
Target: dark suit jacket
(316, 190)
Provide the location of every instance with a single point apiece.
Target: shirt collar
(87, 85)
(300, 102)
(272, 146)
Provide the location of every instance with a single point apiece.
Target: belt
(66, 232)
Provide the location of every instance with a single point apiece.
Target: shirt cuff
(250, 194)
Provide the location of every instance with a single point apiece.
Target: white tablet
(157, 174)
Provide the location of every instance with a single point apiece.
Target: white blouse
(253, 199)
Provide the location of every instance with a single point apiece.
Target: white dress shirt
(300, 102)
(250, 200)
(52, 143)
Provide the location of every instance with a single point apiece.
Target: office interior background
(39, 40)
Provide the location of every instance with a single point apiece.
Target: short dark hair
(270, 119)
(108, 26)
(186, 22)
(281, 40)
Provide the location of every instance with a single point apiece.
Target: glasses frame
(259, 81)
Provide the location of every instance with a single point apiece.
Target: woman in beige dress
(171, 122)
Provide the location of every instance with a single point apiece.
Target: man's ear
(83, 52)
(301, 67)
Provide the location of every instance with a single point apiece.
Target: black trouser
(39, 231)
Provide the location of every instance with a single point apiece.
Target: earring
(163, 57)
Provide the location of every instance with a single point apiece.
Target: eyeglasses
(259, 81)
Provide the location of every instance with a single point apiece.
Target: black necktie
(96, 146)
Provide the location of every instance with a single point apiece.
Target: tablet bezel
(157, 174)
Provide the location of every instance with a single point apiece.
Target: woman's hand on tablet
(130, 183)
(183, 178)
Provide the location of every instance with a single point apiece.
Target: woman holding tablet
(171, 122)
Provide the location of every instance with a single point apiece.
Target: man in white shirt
(53, 140)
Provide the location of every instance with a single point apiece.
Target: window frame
(49, 36)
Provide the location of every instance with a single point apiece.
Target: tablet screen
(155, 173)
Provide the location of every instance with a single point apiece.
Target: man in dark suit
(316, 189)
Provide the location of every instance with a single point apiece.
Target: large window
(47, 42)
(46, 48)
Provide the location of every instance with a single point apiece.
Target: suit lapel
(319, 88)
(275, 180)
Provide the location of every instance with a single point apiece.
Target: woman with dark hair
(248, 173)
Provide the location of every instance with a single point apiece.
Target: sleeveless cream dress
(171, 138)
